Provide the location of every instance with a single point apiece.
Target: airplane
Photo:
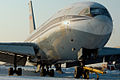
(75, 35)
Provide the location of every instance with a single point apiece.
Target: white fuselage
(73, 28)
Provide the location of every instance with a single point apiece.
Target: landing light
(66, 22)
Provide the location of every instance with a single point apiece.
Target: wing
(107, 51)
(106, 54)
(110, 54)
(22, 50)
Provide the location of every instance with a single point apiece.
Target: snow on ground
(29, 74)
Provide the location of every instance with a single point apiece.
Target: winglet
(31, 18)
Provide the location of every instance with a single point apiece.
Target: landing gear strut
(17, 71)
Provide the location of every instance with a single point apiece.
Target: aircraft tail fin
(31, 18)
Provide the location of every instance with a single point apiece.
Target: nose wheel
(10, 71)
(51, 73)
(84, 72)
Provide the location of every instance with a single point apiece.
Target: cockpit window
(99, 11)
(94, 12)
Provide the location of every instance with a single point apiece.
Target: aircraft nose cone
(100, 25)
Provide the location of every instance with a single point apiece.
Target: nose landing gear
(84, 72)
(85, 55)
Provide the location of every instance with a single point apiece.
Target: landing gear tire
(43, 72)
(77, 72)
(51, 73)
(19, 72)
(85, 74)
(58, 68)
(10, 71)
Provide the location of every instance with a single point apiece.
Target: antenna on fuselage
(31, 18)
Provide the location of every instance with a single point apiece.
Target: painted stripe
(49, 26)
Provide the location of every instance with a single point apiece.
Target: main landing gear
(11, 70)
(45, 71)
(58, 68)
